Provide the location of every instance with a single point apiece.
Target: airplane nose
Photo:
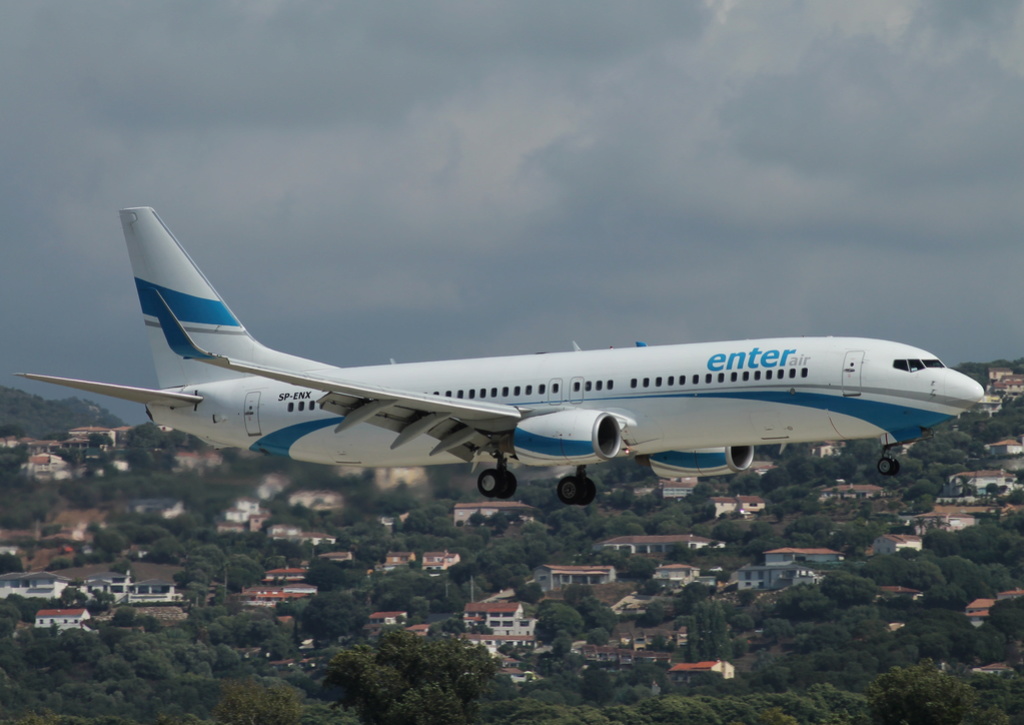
(963, 391)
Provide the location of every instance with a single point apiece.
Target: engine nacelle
(577, 436)
(701, 462)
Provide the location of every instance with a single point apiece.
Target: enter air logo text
(754, 359)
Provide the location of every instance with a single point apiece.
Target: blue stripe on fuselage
(280, 442)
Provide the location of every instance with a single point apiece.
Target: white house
(891, 543)
(969, 483)
(673, 488)
(38, 584)
(684, 671)
(774, 576)
(777, 557)
(658, 544)
(153, 590)
(502, 618)
(676, 576)
(62, 619)
(440, 560)
(553, 576)
(109, 582)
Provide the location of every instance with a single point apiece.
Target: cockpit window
(913, 366)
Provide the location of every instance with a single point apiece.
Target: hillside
(35, 416)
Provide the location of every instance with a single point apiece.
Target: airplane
(689, 409)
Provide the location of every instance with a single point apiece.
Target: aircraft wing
(461, 426)
(146, 396)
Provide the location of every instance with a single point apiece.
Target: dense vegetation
(812, 654)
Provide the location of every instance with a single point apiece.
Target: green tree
(246, 702)
(408, 680)
(919, 695)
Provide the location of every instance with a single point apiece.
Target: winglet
(177, 339)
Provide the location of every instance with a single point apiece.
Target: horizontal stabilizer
(145, 396)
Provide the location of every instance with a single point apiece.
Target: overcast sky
(373, 180)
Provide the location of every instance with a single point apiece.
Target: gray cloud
(364, 181)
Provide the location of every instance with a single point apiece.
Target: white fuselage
(673, 397)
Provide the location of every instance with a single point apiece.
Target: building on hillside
(996, 668)
(676, 488)
(923, 523)
(676, 576)
(1005, 448)
(852, 491)
(35, 584)
(552, 577)
(463, 512)
(270, 595)
(683, 673)
(285, 574)
(494, 641)
(165, 508)
(46, 467)
(502, 618)
(977, 611)
(440, 560)
(789, 555)
(826, 449)
(743, 505)
(898, 591)
(621, 657)
(773, 576)
(62, 619)
(338, 557)
(154, 591)
(284, 532)
(892, 543)
(659, 544)
(108, 582)
(980, 483)
(379, 620)
(317, 500)
(395, 559)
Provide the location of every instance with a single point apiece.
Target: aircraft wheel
(507, 489)
(588, 493)
(568, 489)
(888, 466)
(488, 483)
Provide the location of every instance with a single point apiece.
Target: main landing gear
(497, 482)
(887, 465)
(576, 490)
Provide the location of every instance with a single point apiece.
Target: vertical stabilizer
(161, 265)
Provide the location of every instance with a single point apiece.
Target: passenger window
(448, 394)
(541, 388)
(586, 387)
(632, 383)
(746, 375)
(792, 373)
(696, 379)
(460, 393)
(494, 392)
(767, 374)
(708, 378)
(515, 390)
(598, 384)
(483, 393)
(576, 386)
(657, 382)
(803, 372)
(554, 387)
(529, 390)
(504, 392)
(757, 375)
(721, 377)
(733, 377)
(671, 380)
(611, 384)
(291, 407)
(647, 382)
(472, 393)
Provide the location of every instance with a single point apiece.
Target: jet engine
(700, 462)
(578, 436)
